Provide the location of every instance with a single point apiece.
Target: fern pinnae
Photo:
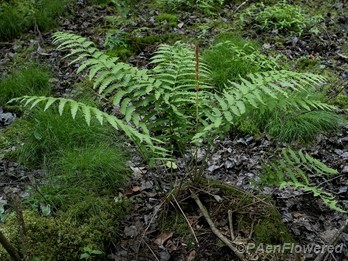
(294, 163)
(87, 111)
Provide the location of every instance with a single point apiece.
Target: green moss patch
(166, 19)
(91, 223)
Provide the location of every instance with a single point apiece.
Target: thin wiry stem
(197, 113)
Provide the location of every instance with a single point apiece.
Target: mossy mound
(91, 224)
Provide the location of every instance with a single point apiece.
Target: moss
(32, 79)
(341, 100)
(344, 48)
(151, 39)
(307, 64)
(271, 230)
(168, 20)
(62, 238)
(123, 52)
(247, 126)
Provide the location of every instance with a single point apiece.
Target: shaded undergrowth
(19, 16)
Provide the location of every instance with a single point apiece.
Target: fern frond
(293, 170)
(88, 112)
(272, 85)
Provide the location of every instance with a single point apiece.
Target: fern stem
(197, 81)
(196, 172)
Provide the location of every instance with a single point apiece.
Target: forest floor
(156, 228)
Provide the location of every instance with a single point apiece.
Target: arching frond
(292, 171)
(89, 112)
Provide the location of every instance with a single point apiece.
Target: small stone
(345, 169)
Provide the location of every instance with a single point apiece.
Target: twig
(22, 230)
(153, 253)
(214, 229)
(251, 229)
(333, 241)
(188, 222)
(147, 228)
(240, 6)
(231, 224)
(38, 32)
(9, 248)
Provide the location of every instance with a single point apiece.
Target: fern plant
(174, 105)
(292, 171)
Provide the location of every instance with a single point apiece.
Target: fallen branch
(21, 224)
(9, 248)
(230, 222)
(214, 229)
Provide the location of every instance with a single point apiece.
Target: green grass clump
(81, 172)
(291, 125)
(231, 57)
(30, 80)
(51, 134)
(303, 126)
(47, 11)
(11, 23)
(286, 18)
(18, 16)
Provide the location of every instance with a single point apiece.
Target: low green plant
(294, 170)
(89, 253)
(171, 87)
(51, 134)
(171, 109)
(11, 23)
(286, 18)
(207, 6)
(290, 124)
(32, 79)
(170, 19)
(47, 11)
(76, 173)
(231, 58)
(18, 16)
(89, 223)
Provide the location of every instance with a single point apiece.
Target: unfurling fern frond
(293, 170)
(89, 112)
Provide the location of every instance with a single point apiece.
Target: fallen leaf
(192, 255)
(162, 238)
